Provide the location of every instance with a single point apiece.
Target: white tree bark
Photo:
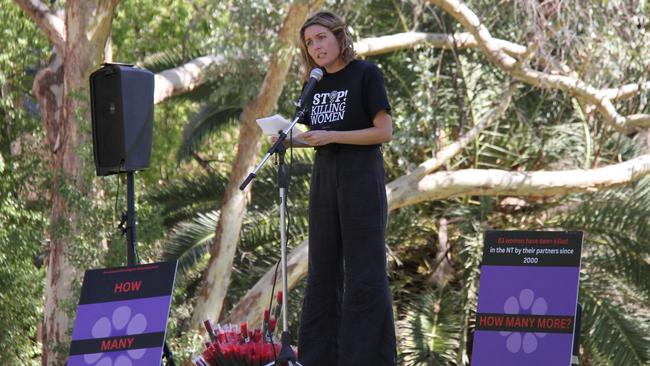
(48, 22)
(493, 182)
(390, 43)
(627, 91)
(443, 271)
(186, 77)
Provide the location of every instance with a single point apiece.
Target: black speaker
(122, 117)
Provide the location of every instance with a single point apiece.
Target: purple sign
(527, 298)
(122, 316)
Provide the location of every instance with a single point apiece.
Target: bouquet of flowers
(236, 345)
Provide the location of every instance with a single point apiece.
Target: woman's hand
(318, 137)
(296, 142)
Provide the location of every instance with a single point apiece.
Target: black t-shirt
(348, 99)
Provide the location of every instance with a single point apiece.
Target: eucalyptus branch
(490, 47)
(380, 45)
(494, 182)
(627, 91)
(185, 78)
(51, 24)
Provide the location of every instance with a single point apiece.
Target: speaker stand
(130, 218)
(131, 243)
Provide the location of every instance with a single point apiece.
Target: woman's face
(323, 47)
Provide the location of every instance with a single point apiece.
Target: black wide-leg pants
(347, 315)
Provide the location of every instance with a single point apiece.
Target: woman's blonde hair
(337, 26)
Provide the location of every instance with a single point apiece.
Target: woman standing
(347, 316)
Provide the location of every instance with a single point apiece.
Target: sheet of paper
(273, 124)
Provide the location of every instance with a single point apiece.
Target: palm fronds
(189, 196)
(612, 328)
(617, 232)
(429, 331)
(207, 121)
(189, 241)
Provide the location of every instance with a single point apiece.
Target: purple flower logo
(525, 303)
(120, 323)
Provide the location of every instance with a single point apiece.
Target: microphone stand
(286, 356)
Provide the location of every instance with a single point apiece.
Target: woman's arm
(382, 131)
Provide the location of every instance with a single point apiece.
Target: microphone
(314, 77)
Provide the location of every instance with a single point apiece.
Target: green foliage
(141, 29)
(21, 272)
(23, 212)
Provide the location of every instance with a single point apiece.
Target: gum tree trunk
(79, 38)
